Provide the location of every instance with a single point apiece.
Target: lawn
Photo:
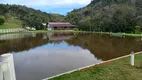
(117, 70)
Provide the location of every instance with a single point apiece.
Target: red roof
(59, 24)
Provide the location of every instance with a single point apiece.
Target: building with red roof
(60, 26)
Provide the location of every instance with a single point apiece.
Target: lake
(41, 55)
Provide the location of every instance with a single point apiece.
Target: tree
(74, 18)
(137, 29)
(2, 20)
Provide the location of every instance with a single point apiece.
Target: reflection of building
(61, 36)
(27, 41)
(60, 26)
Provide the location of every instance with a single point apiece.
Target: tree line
(109, 16)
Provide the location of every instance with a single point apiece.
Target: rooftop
(59, 24)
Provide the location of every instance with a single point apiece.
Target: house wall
(50, 27)
(63, 28)
(59, 28)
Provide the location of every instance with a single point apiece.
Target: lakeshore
(116, 70)
(45, 31)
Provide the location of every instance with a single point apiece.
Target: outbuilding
(60, 26)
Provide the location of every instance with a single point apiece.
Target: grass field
(11, 23)
(117, 70)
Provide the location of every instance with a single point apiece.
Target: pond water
(41, 55)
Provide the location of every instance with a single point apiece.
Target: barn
(60, 26)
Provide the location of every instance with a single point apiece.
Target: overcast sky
(51, 6)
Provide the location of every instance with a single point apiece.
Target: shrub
(2, 20)
(137, 29)
(76, 29)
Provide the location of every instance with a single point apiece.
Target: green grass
(11, 23)
(117, 70)
(6, 25)
(124, 34)
(55, 31)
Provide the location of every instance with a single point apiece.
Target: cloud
(46, 2)
(53, 6)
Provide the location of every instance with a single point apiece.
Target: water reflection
(21, 42)
(105, 47)
(42, 55)
(51, 59)
(18, 43)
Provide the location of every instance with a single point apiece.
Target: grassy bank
(38, 31)
(124, 34)
(117, 70)
(42, 31)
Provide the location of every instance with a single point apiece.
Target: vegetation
(2, 20)
(108, 16)
(28, 16)
(11, 23)
(117, 70)
(138, 29)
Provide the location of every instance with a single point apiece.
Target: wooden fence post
(8, 67)
(132, 58)
(1, 72)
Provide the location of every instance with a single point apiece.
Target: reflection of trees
(30, 41)
(21, 44)
(105, 47)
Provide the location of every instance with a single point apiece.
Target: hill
(11, 22)
(109, 16)
(22, 16)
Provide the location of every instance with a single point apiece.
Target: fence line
(131, 61)
(7, 69)
(11, 30)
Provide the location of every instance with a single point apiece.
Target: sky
(51, 6)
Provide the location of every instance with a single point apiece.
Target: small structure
(44, 24)
(60, 26)
(31, 28)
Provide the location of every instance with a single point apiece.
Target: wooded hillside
(109, 16)
(29, 17)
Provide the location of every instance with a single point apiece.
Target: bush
(137, 29)
(76, 29)
(2, 20)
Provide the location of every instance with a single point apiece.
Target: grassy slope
(11, 23)
(117, 70)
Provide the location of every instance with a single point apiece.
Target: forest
(29, 17)
(109, 16)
